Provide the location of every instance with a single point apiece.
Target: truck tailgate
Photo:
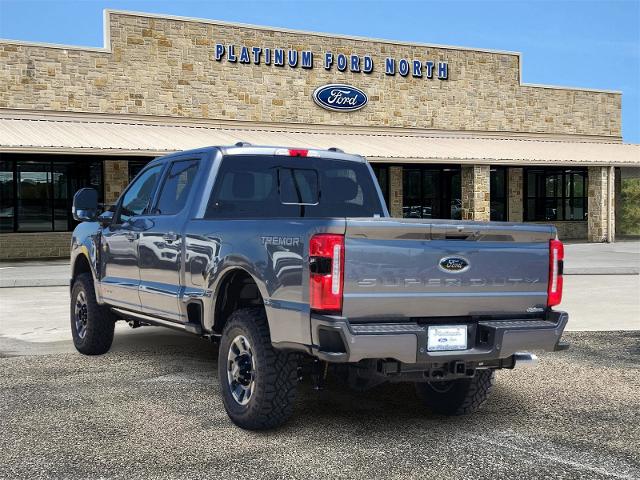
(394, 271)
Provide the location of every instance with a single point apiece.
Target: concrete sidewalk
(621, 258)
(36, 273)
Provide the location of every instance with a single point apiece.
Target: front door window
(138, 195)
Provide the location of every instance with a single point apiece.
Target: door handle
(130, 236)
(170, 237)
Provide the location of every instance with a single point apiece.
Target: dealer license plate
(446, 337)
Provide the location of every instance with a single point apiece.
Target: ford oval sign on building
(340, 98)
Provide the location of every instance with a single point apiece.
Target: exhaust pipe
(525, 359)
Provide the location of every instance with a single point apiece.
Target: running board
(188, 327)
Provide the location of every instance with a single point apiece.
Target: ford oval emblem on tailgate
(340, 98)
(453, 264)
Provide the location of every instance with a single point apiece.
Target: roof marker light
(298, 152)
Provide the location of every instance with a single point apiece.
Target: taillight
(556, 264)
(326, 272)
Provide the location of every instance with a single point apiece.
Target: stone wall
(116, 179)
(598, 218)
(167, 67)
(19, 246)
(573, 230)
(516, 193)
(475, 192)
(395, 191)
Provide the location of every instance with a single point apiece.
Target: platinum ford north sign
(340, 98)
(305, 59)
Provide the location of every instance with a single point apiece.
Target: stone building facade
(167, 70)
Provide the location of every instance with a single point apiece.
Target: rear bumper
(407, 342)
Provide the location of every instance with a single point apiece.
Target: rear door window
(273, 186)
(176, 187)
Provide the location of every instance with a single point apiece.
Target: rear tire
(258, 383)
(457, 397)
(92, 325)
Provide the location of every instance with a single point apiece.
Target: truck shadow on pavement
(336, 402)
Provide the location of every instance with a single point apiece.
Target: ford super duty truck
(291, 261)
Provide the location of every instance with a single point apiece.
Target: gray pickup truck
(290, 260)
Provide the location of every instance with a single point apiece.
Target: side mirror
(105, 218)
(85, 205)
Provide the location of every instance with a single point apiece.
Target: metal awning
(95, 135)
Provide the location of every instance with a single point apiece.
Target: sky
(577, 43)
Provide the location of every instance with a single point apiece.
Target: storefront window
(498, 189)
(555, 194)
(382, 174)
(34, 197)
(36, 191)
(431, 192)
(7, 198)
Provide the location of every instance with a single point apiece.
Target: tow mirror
(85, 205)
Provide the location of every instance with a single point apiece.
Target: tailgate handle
(463, 236)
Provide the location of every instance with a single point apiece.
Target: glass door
(34, 197)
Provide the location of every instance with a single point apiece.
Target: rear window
(272, 186)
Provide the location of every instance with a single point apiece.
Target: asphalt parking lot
(151, 408)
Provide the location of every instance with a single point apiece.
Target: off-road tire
(462, 396)
(275, 374)
(100, 322)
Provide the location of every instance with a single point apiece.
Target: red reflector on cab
(326, 272)
(556, 264)
(298, 153)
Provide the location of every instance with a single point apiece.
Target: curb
(40, 282)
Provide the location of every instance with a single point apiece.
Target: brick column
(395, 192)
(600, 204)
(515, 189)
(475, 192)
(116, 179)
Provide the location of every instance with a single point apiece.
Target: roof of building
(32, 132)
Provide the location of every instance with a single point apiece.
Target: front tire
(92, 325)
(457, 397)
(258, 382)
